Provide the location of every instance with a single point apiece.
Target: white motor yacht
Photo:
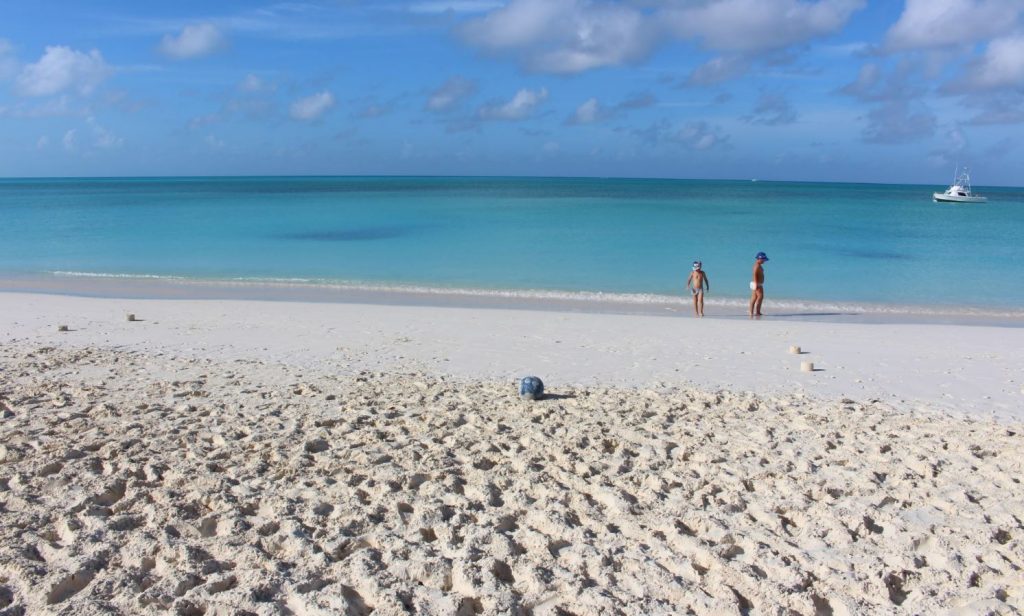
(959, 191)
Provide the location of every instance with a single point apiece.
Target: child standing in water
(697, 283)
(757, 285)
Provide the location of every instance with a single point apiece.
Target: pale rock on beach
(138, 475)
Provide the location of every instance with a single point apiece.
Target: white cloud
(772, 110)
(701, 136)
(571, 36)
(521, 106)
(195, 41)
(8, 66)
(450, 94)
(252, 83)
(717, 70)
(589, 112)
(758, 25)
(564, 36)
(592, 111)
(103, 138)
(214, 143)
(312, 107)
(42, 143)
(938, 23)
(1002, 64)
(1003, 108)
(875, 85)
(62, 68)
(697, 135)
(70, 139)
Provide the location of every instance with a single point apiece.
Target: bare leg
(753, 301)
(696, 312)
(701, 304)
(759, 294)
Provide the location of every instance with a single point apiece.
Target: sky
(888, 91)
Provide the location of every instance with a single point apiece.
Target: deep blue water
(827, 242)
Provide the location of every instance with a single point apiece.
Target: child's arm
(707, 281)
(689, 281)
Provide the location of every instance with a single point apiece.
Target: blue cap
(761, 256)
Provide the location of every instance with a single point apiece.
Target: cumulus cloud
(717, 70)
(939, 23)
(450, 94)
(873, 84)
(70, 140)
(592, 111)
(695, 135)
(772, 110)
(312, 107)
(758, 25)
(899, 122)
(519, 107)
(8, 66)
(701, 135)
(1002, 64)
(571, 36)
(589, 112)
(194, 41)
(253, 84)
(103, 138)
(60, 69)
(1004, 109)
(564, 36)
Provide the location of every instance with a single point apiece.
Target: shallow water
(838, 243)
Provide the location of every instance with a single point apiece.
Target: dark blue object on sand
(531, 388)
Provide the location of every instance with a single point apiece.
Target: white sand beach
(227, 457)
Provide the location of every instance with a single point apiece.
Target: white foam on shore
(582, 297)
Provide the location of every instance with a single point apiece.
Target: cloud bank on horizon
(847, 90)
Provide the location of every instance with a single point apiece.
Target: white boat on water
(959, 191)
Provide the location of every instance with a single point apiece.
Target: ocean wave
(778, 305)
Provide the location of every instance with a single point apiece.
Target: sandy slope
(143, 480)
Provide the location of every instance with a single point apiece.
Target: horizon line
(423, 176)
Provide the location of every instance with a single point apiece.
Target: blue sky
(831, 90)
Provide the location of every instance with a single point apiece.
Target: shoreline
(116, 286)
(972, 369)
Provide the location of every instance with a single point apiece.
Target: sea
(832, 246)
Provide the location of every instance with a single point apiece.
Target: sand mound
(133, 483)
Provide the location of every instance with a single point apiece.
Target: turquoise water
(854, 243)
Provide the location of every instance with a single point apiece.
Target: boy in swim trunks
(696, 283)
(757, 285)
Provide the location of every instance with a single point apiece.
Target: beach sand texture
(141, 481)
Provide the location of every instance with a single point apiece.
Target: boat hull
(942, 197)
